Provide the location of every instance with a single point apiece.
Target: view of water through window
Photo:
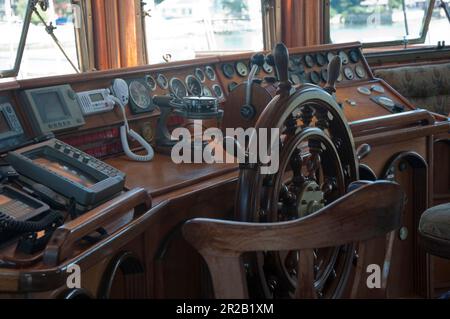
(183, 29)
(371, 21)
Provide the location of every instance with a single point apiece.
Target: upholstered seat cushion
(426, 86)
(435, 222)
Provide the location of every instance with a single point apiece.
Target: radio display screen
(50, 106)
(96, 97)
(64, 169)
(4, 125)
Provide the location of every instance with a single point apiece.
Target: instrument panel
(359, 93)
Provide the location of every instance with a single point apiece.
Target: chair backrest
(369, 212)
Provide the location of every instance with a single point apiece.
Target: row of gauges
(242, 69)
(192, 84)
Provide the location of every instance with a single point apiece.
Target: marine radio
(11, 131)
(68, 171)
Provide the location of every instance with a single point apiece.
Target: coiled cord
(8, 224)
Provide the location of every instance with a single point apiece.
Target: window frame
(420, 40)
(22, 42)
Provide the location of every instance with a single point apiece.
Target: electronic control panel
(53, 108)
(68, 171)
(95, 101)
(11, 131)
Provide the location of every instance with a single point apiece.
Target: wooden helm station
(142, 253)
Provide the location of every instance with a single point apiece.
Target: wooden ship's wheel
(317, 162)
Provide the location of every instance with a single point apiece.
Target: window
(389, 22)
(41, 56)
(184, 29)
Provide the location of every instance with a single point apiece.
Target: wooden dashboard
(399, 135)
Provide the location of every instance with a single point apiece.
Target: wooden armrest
(64, 238)
(368, 212)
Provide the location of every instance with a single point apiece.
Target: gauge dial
(140, 95)
(232, 86)
(178, 88)
(321, 59)
(364, 90)
(151, 82)
(267, 68)
(360, 71)
(193, 85)
(349, 74)
(385, 101)
(324, 74)
(228, 70)
(218, 91)
(377, 89)
(200, 74)
(295, 79)
(315, 77)
(344, 57)
(330, 56)
(162, 81)
(354, 56)
(241, 69)
(207, 92)
(309, 61)
(210, 73)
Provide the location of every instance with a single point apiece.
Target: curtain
(302, 22)
(118, 34)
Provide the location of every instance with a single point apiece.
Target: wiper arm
(444, 6)
(50, 28)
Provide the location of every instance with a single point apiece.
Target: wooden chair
(369, 212)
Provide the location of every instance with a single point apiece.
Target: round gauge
(295, 79)
(228, 70)
(151, 82)
(309, 61)
(360, 71)
(330, 56)
(207, 92)
(139, 95)
(200, 74)
(241, 69)
(232, 86)
(178, 88)
(162, 81)
(324, 74)
(210, 73)
(315, 77)
(193, 85)
(267, 68)
(349, 74)
(218, 91)
(292, 67)
(377, 89)
(344, 57)
(340, 78)
(354, 56)
(386, 101)
(321, 59)
(297, 60)
(364, 90)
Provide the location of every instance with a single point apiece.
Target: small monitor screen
(4, 125)
(64, 169)
(98, 97)
(51, 107)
